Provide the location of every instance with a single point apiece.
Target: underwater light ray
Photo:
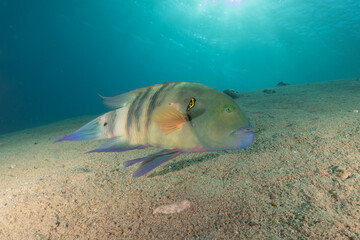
(228, 3)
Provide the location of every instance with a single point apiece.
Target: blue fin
(88, 132)
(152, 161)
(132, 162)
(116, 145)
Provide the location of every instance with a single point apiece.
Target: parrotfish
(177, 117)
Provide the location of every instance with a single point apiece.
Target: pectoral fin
(168, 119)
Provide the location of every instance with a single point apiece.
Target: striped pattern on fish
(178, 116)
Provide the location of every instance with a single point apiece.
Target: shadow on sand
(178, 165)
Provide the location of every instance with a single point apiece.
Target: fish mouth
(241, 131)
(244, 136)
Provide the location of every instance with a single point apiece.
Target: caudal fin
(102, 127)
(90, 131)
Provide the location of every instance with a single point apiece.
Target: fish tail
(103, 127)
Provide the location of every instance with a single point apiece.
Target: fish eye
(228, 108)
(191, 104)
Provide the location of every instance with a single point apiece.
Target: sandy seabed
(299, 179)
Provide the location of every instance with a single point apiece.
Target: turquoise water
(57, 56)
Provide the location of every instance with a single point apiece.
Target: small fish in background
(178, 117)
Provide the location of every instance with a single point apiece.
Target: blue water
(56, 56)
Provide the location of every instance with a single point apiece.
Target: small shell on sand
(343, 174)
(173, 208)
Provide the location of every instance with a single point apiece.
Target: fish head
(218, 121)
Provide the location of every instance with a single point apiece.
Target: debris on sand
(232, 93)
(343, 174)
(268, 91)
(282, 84)
(173, 208)
(340, 172)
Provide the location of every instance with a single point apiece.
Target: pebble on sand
(343, 174)
(173, 208)
(232, 93)
(268, 91)
(282, 84)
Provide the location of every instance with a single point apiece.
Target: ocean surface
(57, 56)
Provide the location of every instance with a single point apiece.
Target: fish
(176, 117)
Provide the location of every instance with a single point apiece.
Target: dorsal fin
(118, 101)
